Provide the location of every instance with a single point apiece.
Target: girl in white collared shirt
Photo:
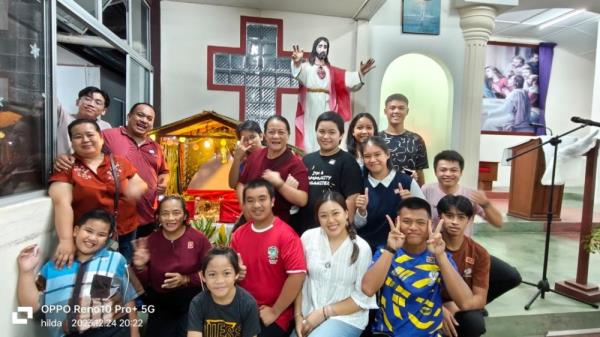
(331, 302)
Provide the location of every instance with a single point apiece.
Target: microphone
(538, 125)
(584, 121)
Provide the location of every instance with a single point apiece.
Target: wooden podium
(528, 198)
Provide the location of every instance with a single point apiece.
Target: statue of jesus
(323, 87)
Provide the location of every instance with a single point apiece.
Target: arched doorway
(427, 84)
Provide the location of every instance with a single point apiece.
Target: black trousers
(272, 330)
(503, 277)
(170, 317)
(471, 323)
(165, 323)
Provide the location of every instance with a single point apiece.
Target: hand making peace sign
(241, 150)
(435, 243)
(395, 237)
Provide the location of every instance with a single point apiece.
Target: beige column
(477, 23)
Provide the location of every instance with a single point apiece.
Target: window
(22, 96)
(260, 71)
(138, 83)
(139, 27)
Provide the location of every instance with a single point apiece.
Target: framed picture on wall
(421, 17)
(511, 90)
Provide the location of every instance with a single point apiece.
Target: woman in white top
(331, 302)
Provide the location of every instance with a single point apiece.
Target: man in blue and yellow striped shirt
(411, 270)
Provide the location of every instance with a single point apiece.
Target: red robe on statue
(339, 101)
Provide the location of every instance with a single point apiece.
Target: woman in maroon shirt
(279, 166)
(167, 263)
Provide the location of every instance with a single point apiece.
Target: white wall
(388, 43)
(187, 30)
(569, 94)
(73, 73)
(21, 224)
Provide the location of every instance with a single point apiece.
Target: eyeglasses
(88, 99)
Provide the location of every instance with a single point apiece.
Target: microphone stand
(543, 285)
(540, 126)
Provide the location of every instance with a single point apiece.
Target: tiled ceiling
(577, 34)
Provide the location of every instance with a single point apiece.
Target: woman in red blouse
(89, 184)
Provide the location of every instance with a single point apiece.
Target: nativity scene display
(198, 151)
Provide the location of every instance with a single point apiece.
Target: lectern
(528, 198)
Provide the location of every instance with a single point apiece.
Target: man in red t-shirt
(473, 263)
(273, 255)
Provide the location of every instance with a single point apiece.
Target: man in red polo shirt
(133, 143)
(146, 155)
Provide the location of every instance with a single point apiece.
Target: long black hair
(380, 143)
(351, 144)
(339, 199)
(314, 54)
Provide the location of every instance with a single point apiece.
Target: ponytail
(352, 234)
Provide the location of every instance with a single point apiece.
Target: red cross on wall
(260, 70)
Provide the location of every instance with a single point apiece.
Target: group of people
(336, 242)
(350, 209)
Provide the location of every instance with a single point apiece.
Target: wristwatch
(389, 249)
